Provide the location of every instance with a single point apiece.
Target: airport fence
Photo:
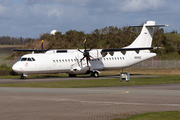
(9, 63)
(151, 63)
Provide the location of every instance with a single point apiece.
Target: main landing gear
(95, 74)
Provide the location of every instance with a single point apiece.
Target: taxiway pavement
(48, 79)
(104, 103)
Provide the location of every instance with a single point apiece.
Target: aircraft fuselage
(70, 62)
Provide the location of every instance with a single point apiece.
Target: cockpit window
(29, 59)
(33, 59)
(23, 59)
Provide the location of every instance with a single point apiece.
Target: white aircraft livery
(88, 61)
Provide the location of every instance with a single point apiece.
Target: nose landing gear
(23, 76)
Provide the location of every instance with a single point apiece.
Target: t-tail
(144, 40)
(146, 35)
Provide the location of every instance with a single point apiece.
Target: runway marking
(95, 91)
(125, 92)
(64, 90)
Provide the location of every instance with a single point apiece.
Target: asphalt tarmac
(48, 79)
(104, 103)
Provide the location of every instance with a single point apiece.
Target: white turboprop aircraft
(88, 61)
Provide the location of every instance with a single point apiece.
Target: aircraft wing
(129, 49)
(103, 50)
(29, 50)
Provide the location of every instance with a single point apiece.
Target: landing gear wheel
(23, 77)
(92, 74)
(96, 74)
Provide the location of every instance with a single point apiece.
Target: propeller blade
(82, 59)
(91, 56)
(91, 48)
(85, 44)
(79, 50)
(87, 62)
(42, 45)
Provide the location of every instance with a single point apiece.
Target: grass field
(10, 46)
(6, 50)
(174, 115)
(147, 71)
(163, 79)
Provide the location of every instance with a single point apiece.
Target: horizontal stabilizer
(152, 26)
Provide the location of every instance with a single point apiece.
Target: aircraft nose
(16, 68)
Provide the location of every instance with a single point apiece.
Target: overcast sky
(30, 18)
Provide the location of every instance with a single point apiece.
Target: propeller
(86, 54)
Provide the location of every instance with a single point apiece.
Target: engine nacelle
(97, 54)
(79, 70)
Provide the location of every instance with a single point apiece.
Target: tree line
(7, 40)
(112, 37)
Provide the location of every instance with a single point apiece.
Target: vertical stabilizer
(145, 37)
